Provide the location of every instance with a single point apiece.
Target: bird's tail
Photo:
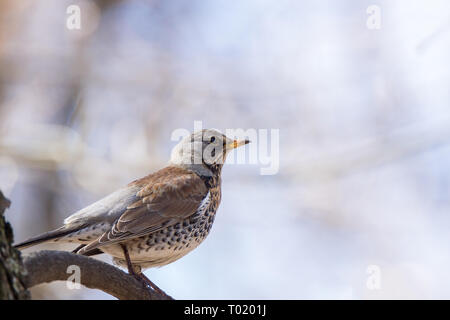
(48, 236)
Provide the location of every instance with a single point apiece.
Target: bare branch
(48, 266)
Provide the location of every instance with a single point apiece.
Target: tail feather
(44, 237)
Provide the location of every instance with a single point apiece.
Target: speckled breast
(173, 242)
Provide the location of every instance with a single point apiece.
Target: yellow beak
(236, 143)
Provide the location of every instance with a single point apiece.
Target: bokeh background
(363, 114)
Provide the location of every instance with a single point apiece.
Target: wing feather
(164, 198)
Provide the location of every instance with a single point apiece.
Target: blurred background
(363, 114)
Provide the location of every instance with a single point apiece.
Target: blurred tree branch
(47, 266)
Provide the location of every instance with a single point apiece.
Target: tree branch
(12, 271)
(48, 266)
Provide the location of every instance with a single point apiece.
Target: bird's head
(204, 151)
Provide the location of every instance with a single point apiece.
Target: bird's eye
(212, 139)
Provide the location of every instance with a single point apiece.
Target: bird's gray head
(204, 151)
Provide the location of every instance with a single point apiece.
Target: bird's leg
(128, 260)
(139, 275)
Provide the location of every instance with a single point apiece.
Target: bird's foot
(136, 271)
(148, 283)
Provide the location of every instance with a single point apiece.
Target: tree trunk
(12, 271)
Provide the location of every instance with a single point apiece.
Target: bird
(157, 219)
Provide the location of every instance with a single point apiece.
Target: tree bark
(13, 275)
(47, 266)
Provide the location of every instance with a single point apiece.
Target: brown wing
(165, 198)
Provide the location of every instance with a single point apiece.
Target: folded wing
(164, 198)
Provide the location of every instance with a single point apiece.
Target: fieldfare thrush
(159, 218)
